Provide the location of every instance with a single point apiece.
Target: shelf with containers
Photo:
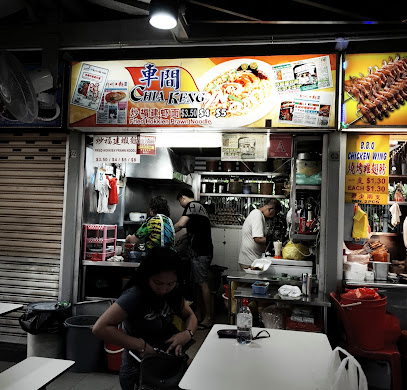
(308, 199)
(230, 196)
(99, 241)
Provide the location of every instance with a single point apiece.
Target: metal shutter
(31, 210)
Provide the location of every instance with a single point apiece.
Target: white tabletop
(288, 360)
(8, 307)
(38, 372)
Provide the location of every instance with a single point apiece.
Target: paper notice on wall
(89, 86)
(115, 149)
(306, 109)
(303, 75)
(113, 106)
(247, 147)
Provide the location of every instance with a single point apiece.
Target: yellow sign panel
(369, 184)
(365, 198)
(367, 169)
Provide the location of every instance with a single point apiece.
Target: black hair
(159, 205)
(276, 203)
(185, 192)
(159, 259)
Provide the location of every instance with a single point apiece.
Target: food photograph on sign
(375, 90)
(219, 92)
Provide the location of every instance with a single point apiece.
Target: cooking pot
(137, 217)
(221, 188)
(228, 166)
(266, 188)
(246, 166)
(246, 189)
(212, 165)
(206, 187)
(279, 188)
(235, 187)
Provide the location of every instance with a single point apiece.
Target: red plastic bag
(361, 293)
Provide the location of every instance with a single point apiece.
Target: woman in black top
(146, 309)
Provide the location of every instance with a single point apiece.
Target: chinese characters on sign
(367, 169)
(221, 92)
(121, 149)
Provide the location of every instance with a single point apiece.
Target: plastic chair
(389, 353)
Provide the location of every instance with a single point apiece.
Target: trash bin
(82, 345)
(44, 324)
(367, 319)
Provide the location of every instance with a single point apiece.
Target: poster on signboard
(244, 147)
(375, 91)
(89, 87)
(219, 92)
(367, 169)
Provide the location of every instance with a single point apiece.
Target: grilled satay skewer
(366, 114)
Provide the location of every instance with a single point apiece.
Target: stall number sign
(367, 169)
(120, 149)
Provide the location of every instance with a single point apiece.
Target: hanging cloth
(395, 214)
(113, 194)
(360, 224)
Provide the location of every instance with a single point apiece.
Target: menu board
(375, 90)
(221, 92)
(367, 169)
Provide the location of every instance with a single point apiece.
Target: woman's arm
(106, 329)
(178, 340)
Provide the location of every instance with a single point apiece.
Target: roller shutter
(31, 210)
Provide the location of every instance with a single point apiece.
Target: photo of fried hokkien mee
(238, 90)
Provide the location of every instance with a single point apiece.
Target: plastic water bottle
(244, 321)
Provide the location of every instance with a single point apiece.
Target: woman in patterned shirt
(157, 230)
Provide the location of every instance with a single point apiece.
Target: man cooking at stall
(255, 237)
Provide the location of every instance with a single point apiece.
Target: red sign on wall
(280, 146)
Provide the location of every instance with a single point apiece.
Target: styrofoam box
(289, 267)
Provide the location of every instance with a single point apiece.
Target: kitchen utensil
(137, 217)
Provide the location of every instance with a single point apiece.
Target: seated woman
(146, 309)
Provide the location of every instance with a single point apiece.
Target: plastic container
(380, 270)
(82, 345)
(114, 357)
(260, 287)
(367, 320)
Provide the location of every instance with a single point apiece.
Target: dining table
(287, 360)
(9, 307)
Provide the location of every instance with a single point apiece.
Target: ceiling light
(163, 14)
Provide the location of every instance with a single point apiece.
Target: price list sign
(367, 169)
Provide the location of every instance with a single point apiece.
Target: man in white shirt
(254, 232)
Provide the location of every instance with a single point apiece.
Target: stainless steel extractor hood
(164, 165)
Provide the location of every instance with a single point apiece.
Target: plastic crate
(260, 287)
